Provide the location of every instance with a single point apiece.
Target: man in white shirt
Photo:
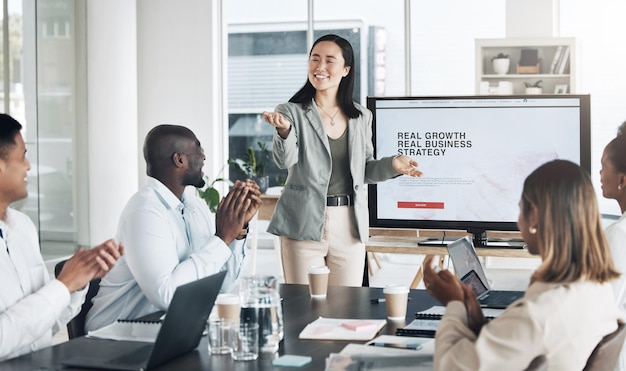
(33, 307)
(169, 234)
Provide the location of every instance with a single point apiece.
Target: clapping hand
(87, 265)
(445, 287)
(442, 284)
(254, 195)
(236, 210)
(475, 316)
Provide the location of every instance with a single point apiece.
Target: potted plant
(253, 166)
(535, 88)
(210, 194)
(501, 63)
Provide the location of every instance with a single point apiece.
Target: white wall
(179, 76)
(149, 62)
(532, 18)
(111, 113)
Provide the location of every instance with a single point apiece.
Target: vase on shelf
(263, 182)
(534, 90)
(501, 66)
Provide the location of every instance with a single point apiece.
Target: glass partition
(43, 83)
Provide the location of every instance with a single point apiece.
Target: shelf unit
(486, 49)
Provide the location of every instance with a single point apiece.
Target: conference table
(299, 309)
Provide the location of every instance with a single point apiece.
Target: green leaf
(212, 199)
(210, 194)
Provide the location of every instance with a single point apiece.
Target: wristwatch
(244, 232)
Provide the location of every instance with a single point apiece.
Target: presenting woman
(568, 307)
(324, 139)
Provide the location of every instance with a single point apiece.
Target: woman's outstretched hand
(278, 121)
(406, 165)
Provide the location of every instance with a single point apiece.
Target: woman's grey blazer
(305, 152)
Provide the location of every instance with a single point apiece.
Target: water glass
(220, 336)
(245, 342)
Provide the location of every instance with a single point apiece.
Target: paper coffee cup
(396, 297)
(228, 307)
(318, 281)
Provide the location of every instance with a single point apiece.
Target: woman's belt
(341, 200)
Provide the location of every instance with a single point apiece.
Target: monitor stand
(505, 243)
(437, 241)
(480, 240)
(479, 237)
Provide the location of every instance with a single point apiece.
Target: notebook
(180, 332)
(132, 330)
(470, 271)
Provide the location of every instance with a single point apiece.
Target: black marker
(411, 346)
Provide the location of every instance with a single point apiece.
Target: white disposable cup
(245, 342)
(396, 297)
(318, 281)
(220, 333)
(228, 307)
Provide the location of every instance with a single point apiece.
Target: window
(42, 83)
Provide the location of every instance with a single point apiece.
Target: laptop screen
(475, 283)
(465, 260)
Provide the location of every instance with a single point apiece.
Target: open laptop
(180, 332)
(470, 271)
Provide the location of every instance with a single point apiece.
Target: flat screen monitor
(475, 152)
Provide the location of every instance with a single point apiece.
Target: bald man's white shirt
(167, 243)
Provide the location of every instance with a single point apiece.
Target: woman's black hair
(346, 86)
(621, 129)
(616, 151)
(9, 127)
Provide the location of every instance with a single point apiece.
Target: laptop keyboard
(501, 298)
(137, 356)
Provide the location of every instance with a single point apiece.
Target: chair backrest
(76, 327)
(539, 363)
(606, 353)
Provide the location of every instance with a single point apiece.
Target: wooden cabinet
(554, 71)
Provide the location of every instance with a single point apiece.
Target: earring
(619, 187)
(532, 230)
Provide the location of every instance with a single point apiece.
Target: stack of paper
(366, 357)
(342, 329)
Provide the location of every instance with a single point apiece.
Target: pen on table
(380, 300)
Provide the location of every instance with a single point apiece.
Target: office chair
(606, 353)
(76, 326)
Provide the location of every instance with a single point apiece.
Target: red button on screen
(419, 205)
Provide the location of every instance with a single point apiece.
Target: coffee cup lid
(227, 299)
(318, 269)
(395, 289)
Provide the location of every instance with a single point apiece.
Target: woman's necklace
(332, 118)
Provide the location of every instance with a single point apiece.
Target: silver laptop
(180, 332)
(469, 269)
